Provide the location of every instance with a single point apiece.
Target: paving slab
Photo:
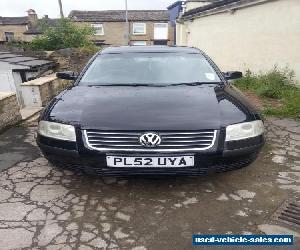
(43, 207)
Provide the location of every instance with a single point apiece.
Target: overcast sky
(50, 7)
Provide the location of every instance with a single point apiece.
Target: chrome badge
(150, 140)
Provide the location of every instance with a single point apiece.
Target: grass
(275, 85)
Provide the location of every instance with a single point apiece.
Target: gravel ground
(42, 207)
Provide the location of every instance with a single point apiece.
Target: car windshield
(149, 69)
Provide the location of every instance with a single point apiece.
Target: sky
(50, 7)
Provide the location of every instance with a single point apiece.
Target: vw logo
(150, 140)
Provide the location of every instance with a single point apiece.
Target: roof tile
(119, 15)
(14, 20)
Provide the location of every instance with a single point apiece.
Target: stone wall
(71, 59)
(38, 92)
(9, 110)
(52, 88)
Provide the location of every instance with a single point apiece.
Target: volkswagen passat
(151, 110)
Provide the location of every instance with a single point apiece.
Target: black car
(151, 110)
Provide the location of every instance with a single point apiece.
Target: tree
(64, 34)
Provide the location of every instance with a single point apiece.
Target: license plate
(150, 162)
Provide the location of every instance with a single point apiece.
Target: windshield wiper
(191, 83)
(121, 84)
(150, 85)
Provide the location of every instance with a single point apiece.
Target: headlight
(244, 130)
(57, 131)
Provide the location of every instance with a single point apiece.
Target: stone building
(146, 27)
(15, 28)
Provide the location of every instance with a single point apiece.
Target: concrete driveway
(42, 207)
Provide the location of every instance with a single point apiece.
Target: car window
(149, 68)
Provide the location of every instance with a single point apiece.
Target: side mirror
(67, 75)
(231, 75)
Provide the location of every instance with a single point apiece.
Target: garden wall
(9, 110)
(38, 92)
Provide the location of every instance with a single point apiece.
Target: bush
(272, 84)
(65, 34)
(277, 84)
(16, 44)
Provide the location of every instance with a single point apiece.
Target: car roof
(149, 49)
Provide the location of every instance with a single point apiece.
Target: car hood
(147, 108)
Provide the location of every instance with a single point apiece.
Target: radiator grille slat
(171, 141)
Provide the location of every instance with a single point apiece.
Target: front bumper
(224, 157)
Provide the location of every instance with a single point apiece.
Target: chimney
(32, 16)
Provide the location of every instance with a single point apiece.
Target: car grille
(171, 141)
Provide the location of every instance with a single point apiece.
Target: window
(139, 29)
(99, 29)
(9, 36)
(161, 31)
(139, 43)
(149, 68)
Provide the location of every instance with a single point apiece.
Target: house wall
(255, 38)
(18, 31)
(6, 80)
(28, 37)
(150, 33)
(114, 32)
(174, 13)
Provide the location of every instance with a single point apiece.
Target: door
(161, 31)
(160, 42)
